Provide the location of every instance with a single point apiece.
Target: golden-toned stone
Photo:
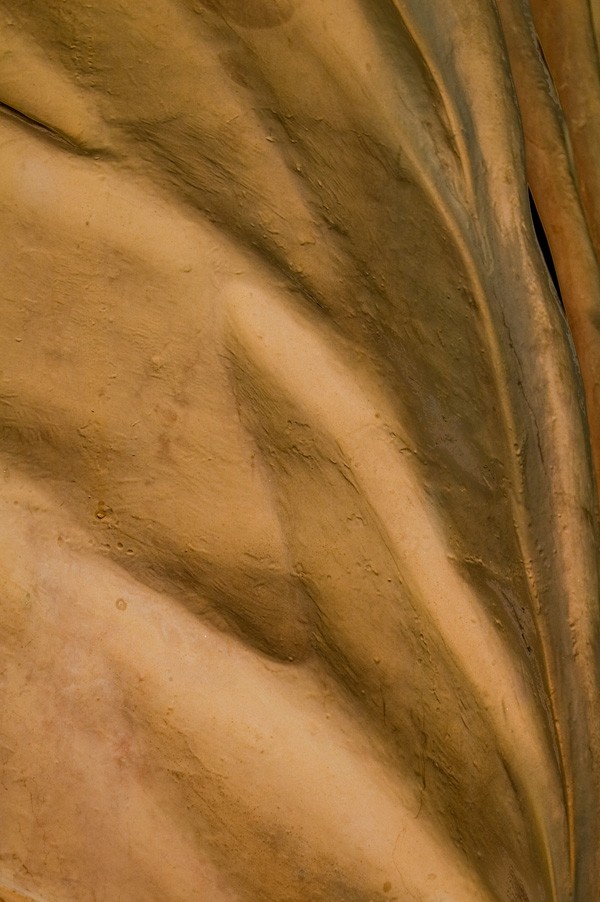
(298, 523)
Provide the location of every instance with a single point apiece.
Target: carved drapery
(299, 525)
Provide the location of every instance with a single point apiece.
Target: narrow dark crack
(48, 131)
(55, 135)
(542, 240)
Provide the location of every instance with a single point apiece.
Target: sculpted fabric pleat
(293, 421)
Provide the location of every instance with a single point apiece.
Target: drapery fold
(370, 348)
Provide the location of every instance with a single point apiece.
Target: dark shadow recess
(540, 234)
